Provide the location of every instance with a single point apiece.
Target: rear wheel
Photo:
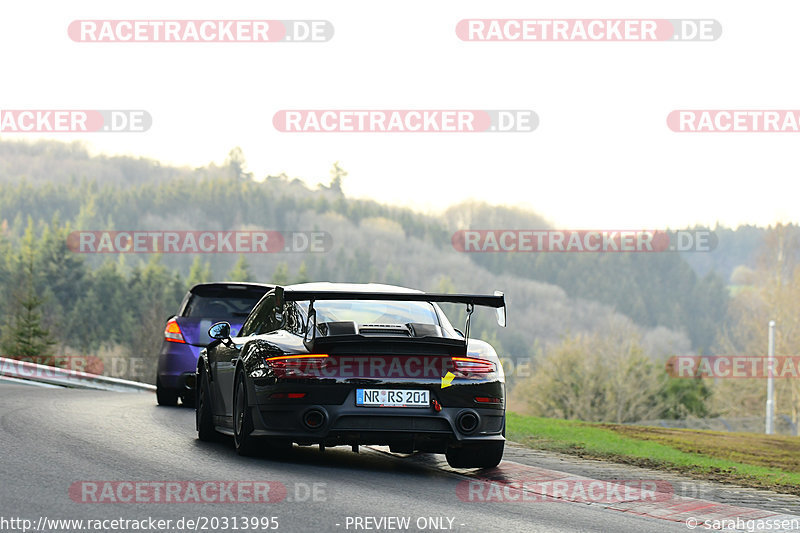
(188, 399)
(484, 455)
(204, 420)
(278, 447)
(244, 442)
(165, 396)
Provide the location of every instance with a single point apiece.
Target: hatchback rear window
(222, 303)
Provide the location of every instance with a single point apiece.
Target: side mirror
(501, 311)
(220, 331)
(279, 304)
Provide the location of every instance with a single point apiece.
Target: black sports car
(345, 364)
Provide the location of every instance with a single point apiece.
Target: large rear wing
(497, 301)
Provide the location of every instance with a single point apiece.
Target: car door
(228, 357)
(219, 360)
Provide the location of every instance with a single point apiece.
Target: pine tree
(337, 176)
(302, 274)
(281, 274)
(200, 272)
(25, 337)
(241, 271)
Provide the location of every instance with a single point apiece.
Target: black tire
(188, 399)
(245, 443)
(165, 396)
(204, 422)
(485, 455)
(278, 447)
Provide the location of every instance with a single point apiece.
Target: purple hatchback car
(186, 333)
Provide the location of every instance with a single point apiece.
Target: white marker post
(770, 379)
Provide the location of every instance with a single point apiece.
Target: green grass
(749, 459)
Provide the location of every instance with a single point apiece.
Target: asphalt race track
(62, 447)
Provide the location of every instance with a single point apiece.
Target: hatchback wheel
(165, 396)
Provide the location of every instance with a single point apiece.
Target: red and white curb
(511, 482)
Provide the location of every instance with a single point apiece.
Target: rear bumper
(414, 429)
(177, 364)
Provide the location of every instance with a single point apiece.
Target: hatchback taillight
(173, 332)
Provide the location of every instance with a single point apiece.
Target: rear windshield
(373, 312)
(222, 303)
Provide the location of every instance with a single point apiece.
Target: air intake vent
(384, 329)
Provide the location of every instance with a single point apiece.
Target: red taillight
(282, 361)
(297, 366)
(173, 332)
(488, 399)
(471, 365)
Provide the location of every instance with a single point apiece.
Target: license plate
(392, 398)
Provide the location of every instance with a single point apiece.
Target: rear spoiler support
(311, 313)
(470, 309)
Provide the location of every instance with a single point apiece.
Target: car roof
(231, 284)
(348, 287)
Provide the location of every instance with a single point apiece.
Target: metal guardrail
(25, 370)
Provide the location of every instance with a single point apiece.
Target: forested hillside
(90, 302)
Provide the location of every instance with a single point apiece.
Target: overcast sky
(601, 157)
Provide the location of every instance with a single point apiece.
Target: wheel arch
(203, 366)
